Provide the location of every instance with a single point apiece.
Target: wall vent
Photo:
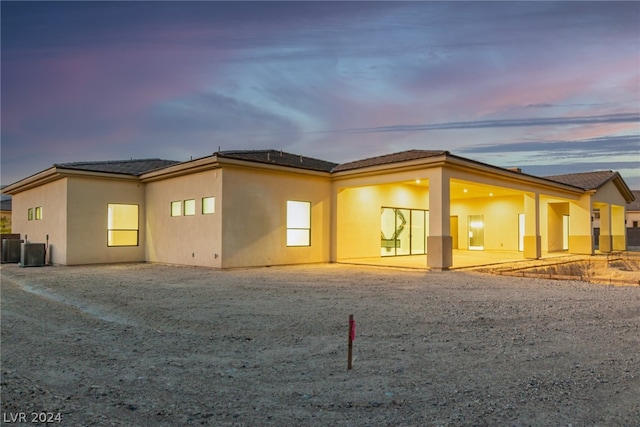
(32, 255)
(10, 250)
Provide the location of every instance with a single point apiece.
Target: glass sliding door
(565, 232)
(418, 234)
(403, 227)
(402, 231)
(476, 232)
(521, 232)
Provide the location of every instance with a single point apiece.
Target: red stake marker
(352, 337)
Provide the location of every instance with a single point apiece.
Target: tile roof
(585, 180)
(389, 158)
(280, 158)
(128, 167)
(635, 205)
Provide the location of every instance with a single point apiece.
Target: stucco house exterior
(268, 207)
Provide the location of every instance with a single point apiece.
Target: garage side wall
(52, 199)
(184, 239)
(254, 215)
(87, 219)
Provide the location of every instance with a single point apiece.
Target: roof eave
(622, 186)
(512, 175)
(405, 165)
(253, 164)
(183, 168)
(35, 180)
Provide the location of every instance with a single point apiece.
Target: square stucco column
(618, 228)
(439, 244)
(604, 239)
(580, 229)
(532, 238)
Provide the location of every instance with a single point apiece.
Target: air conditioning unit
(32, 255)
(10, 250)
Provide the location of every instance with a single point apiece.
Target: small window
(190, 207)
(208, 205)
(176, 208)
(39, 213)
(122, 225)
(635, 224)
(30, 214)
(298, 223)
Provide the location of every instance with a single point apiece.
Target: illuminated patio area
(461, 259)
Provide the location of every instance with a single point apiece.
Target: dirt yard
(154, 345)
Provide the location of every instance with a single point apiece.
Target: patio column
(439, 243)
(333, 224)
(580, 228)
(532, 239)
(618, 228)
(605, 228)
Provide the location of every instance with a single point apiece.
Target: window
(176, 208)
(122, 225)
(635, 224)
(30, 214)
(208, 205)
(39, 213)
(190, 207)
(298, 223)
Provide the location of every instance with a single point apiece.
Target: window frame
(137, 229)
(38, 213)
(291, 228)
(30, 214)
(213, 210)
(177, 203)
(192, 210)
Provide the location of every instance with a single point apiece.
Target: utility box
(32, 255)
(10, 250)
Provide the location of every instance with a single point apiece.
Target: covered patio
(462, 259)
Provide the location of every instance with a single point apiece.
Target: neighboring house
(267, 207)
(633, 211)
(5, 216)
(633, 222)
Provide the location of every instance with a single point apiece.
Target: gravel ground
(157, 345)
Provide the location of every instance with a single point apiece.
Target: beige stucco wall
(253, 208)
(358, 216)
(187, 240)
(87, 200)
(52, 197)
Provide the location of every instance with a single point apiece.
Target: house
(633, 221)
(633, 211)
(268, 207)
(5, 216)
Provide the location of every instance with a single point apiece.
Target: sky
(550, 87)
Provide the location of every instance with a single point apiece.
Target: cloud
(501, 123)
(609, 145)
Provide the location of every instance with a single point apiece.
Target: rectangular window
(190, 207)
(176, 208)
(30, 214)
(39, 212)
(298, 223)
(208, 205)
(122, 225)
